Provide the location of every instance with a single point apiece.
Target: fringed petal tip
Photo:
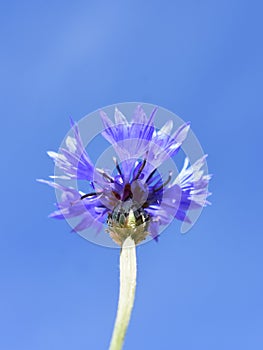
(156, 238)
(72, 122)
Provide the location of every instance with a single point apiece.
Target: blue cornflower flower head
(134, 199)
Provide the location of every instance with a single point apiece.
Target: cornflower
(133, 201)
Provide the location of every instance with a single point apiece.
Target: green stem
(128, 271)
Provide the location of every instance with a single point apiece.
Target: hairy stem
(128, 272)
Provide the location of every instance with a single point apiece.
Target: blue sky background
(203, 61)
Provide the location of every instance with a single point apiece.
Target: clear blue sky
(200, 59)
